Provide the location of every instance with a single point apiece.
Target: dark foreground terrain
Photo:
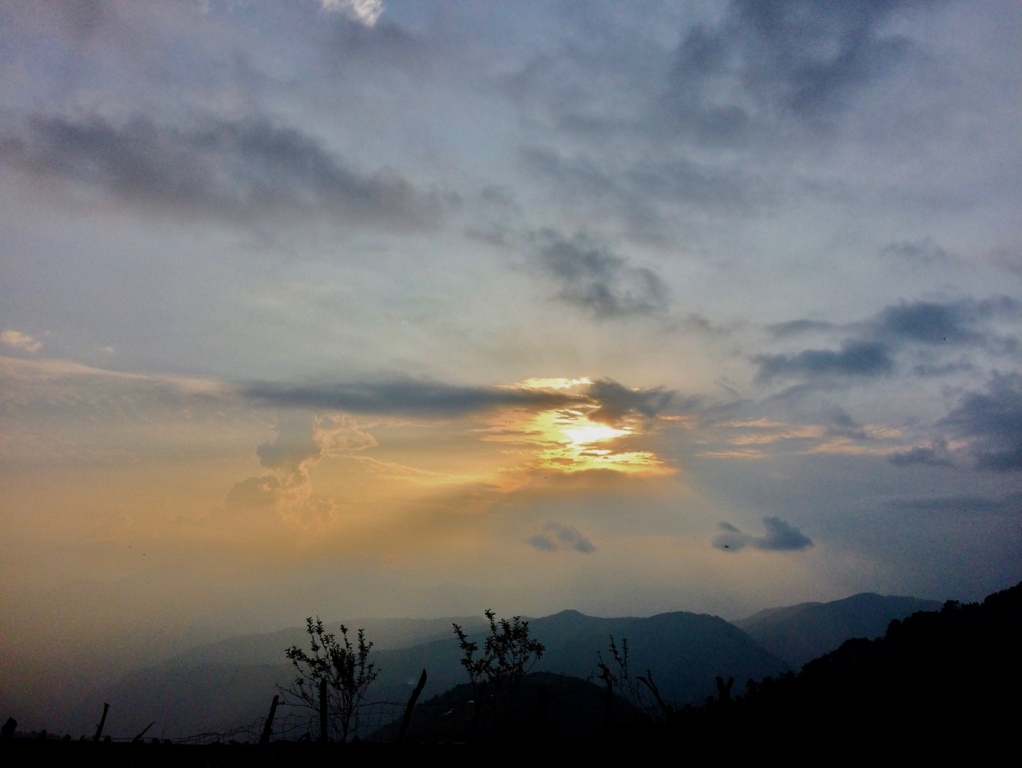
(937, 684)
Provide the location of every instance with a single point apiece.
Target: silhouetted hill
(937, 683)
(683, 651)
(799, 633)
(549, 709)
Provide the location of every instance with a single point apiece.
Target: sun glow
(567, 440)
(574, 443)
(553, 383)
(590, 433)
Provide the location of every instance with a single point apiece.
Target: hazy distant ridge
(225, 684)
(801, 633)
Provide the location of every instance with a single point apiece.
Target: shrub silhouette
(508, 654)
(337, 668)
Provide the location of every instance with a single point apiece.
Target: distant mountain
(801, 633)
(385, 634)
(683, 651)
(221, 686)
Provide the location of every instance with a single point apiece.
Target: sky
(419, 308)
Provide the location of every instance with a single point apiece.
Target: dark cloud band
(613, 401)
(861, 359)
(873, 345)
(214, 168)
(406, 397)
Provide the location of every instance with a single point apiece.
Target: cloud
(406, 396)
(293, 447)
(964, 322)
(72, 391)
(841, 424)
(617, 401)
(927, 322)
(917, 253)
(871, 351)
(364, 12)
(937, 455)
(557, 536)
(953, 504)
(859, 359)
(644, 193)
(1007, 257)
(19, 340)
(780, 536)
(797, 327)
(767, 62)
(228, 169)
(286, 487)
(614, 402)
(593, 278)
(337, 433)
(809, 55)
(991, 422)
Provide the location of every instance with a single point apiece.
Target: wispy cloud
(952, 504)
(923, 252)
(19, 340)
(365, 12)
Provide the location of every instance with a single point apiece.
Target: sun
(589, 433)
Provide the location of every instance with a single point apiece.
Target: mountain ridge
(684, 651)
